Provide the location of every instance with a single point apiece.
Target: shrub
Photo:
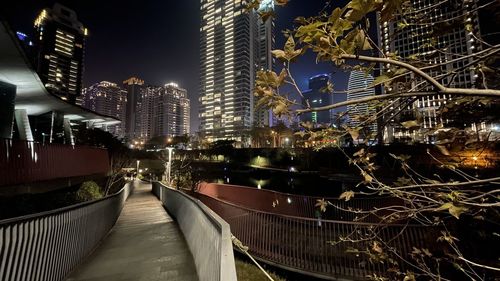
(88, 191)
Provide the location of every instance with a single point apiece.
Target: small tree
(119, 154)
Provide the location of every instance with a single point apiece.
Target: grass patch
(250, 272)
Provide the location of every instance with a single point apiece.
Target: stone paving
(145, 245)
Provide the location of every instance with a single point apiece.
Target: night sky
(157, 41)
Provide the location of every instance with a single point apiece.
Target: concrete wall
(208, 236)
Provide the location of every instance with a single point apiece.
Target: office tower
(317, 97)
(229, 44)
(441, 37)
(133, 86)
(108, 99)
(60, 43)
(163, 111)
(360, 80)
(265, 44)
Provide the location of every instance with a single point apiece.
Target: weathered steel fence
(26, 162)
(307, 245)
(207, 235)
(49, 245)
(294, 205)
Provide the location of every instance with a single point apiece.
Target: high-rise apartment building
(230, 56)
(162, 111)
(60, 44)
(359, 80)
(316, 97)
(108, 99)
(441, 36)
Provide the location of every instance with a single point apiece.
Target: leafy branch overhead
(461, 119)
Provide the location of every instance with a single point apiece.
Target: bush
(250, 272)
(88, 191)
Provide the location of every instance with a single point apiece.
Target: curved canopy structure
(31, 94)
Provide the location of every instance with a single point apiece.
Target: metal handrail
(207, 235)
(59, 210)
(49, 245)
(302, 244)
(295, 205)
(272, 192)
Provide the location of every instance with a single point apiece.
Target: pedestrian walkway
(145, 244)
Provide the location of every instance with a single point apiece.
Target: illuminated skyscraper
(60, 43)
(108, 99)
(266, 43)
(441, 37)
(316, 98)
(163, 111)
(133, 86)
(230, 55)
(359, 80)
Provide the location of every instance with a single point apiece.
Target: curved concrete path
(145, 244)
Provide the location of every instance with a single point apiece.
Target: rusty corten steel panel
(304, 244)
(25, 162)
(292, 204)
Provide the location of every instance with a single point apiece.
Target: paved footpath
(144, 245)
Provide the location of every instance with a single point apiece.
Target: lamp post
(169, 164)
(137, 169)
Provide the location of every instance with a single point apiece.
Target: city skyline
(156, 55)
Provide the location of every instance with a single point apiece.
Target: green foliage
(88, 191)
(250, 272)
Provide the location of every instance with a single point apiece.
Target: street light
(169, 164)
(137, 169)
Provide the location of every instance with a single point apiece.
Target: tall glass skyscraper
(316, 98)
(60, 44)
(441, 36)
(359, 80)
(230, 56)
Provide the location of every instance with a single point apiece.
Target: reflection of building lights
(258, 186)
(227, 179)
(289, 200)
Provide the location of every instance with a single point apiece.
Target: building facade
(155, 110)
(60, 50)
(230, 56)
(421, 41)
(109, 99)
(264, 117)
(360, 80)
(316, 97)
(133, 86)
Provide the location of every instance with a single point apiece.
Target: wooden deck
(145, 244)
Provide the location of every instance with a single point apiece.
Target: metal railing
(207, 235)
(25, 162)
(49, 245)
(295, 205)
(309, 245)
